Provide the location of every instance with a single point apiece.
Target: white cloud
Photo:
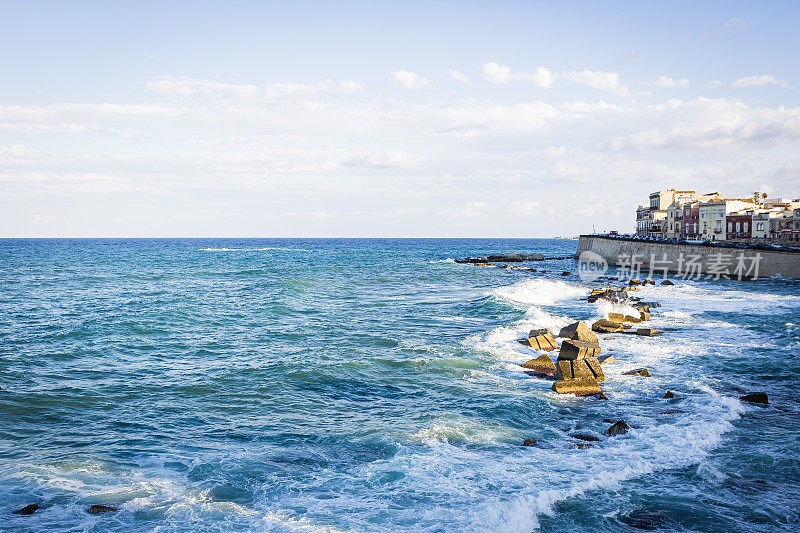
(730, 24)
(597, 79)
(759, 81)
(666, 81)
(410, 80)
(384, 160)
(458, 76)
(501, 74)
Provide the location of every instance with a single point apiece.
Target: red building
(739, 225)
(691, 220)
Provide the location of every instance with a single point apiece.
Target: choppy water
(372, 385)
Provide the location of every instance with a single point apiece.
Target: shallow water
(364, 385)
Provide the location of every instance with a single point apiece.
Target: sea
(303, 385)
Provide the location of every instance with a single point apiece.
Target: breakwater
(686, 258)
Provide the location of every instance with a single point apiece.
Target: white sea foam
(540, 292)
(448, 260)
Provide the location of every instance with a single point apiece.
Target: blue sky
(377, 119)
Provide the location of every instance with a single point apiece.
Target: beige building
(713, 215)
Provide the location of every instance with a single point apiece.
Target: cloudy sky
(465, 119)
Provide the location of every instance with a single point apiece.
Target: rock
(542, 366)
(644, 315)
(602, 396)
(579, 331)
(649, 281)
(585, 437)
(594, 367)
(647, 332)
(634, 282)
(578, 387)
(564, 370)
(667, 282)
(644, 519)
(528, 442)
(542, 339)
(100, 509)
(616, 317)
(631, 288)
(565, 273)
(28, 509)
(755, 397)
(516, 258)
(637, 372)
(669, 395)
(671, 412)
(606, 326)
(630, 318)
(605, 359)
(618, 428)
(580, 369)
(577, 349)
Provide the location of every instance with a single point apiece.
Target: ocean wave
(540, 292)
(253, 249)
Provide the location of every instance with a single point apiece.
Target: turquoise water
(372, 385)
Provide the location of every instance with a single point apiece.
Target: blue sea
(374, 385)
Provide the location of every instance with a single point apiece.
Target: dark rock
(667, 282)
(529, 442)
(671, 412)
(28, 509)
(645, 519)
(584, 436)
(669, 394)
(602, 396)
(755, 397)
(634, 282)
(618, 428)
(583, 445)
(100, 509)
(637, 372)
(648, 332)
(565, 273)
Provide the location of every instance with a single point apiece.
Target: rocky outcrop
(669, 394)
(542, 366)
(579, 331)
(100, 509)
(618, 428)
(606, 359)
(542, 339)
(606, 326)
(616, 317)
(647, 332)
(755, 397)
(631, 318)
(637, 372)
(578, 387)
(578, 349)
(634, 282)
(28, 509)
(506, 258)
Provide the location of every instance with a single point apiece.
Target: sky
(386, 119)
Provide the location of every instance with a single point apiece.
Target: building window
(744, 227)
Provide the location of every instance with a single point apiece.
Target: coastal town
(687, 215)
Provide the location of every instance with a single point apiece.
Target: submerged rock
(669, 395)
(585, 437)
(565, 273)
(28, 509)
(667, 282)
(618, 428)
(579, 331)
(645, 519)
(529, 442)
(755, 397)
(637, 372)
(100, 509)
(542, 366)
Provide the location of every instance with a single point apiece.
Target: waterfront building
(713, 216)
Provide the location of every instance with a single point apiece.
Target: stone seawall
(679, 258)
